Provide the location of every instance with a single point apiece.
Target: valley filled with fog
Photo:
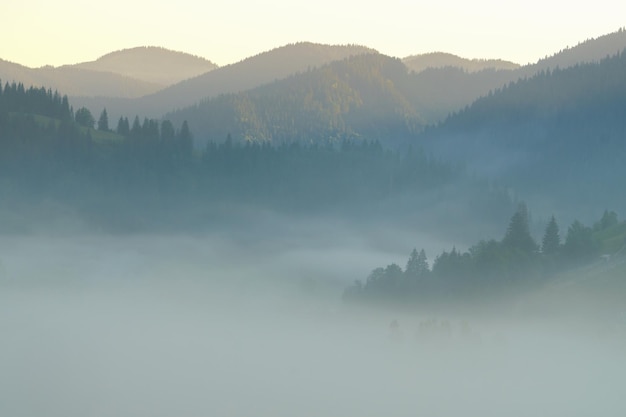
(244, 325)
(316, 230)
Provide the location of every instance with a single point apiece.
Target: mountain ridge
(556, 136)
(360, 97)
(150, 63)
(421, 62)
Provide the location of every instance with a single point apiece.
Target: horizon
(72, 32)
(421, 53)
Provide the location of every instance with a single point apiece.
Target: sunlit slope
(249, 73)
(363, 97)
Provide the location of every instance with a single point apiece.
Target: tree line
(49, 152)
(516, 262)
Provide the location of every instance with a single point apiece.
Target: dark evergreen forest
(147, 175)
(556, 137)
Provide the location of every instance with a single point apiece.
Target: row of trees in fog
(489, 267)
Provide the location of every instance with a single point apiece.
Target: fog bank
(195, 326)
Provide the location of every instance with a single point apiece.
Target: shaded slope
(446, 89)
(558, 136)
(590, 50)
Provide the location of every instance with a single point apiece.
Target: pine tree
(123, 128)
(608, 220)
(518, 233)
(168, 133)
(185, 139)
(551, 242)
(135, 131)
(103, 121)
(417, 265)
(579, 242)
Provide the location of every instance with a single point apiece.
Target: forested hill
(514, 271)
(559, 135)
(150, 64)
(442, 89)
(58, 172)
(419, 63)
(589, 51)
(77, 81)
(252, 72)
(362, 97)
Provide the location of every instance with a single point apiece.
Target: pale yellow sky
(39, 32)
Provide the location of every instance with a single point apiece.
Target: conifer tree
(518, 233)
(579, 243)
(168, 133)
(185, 139)
(123, 128)
(417, 265)
(551, 242)
(103, 121)
(135, 131)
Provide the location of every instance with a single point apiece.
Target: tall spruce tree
(123, 127)
(103, 121)
(579, 243)
(551, 242)
(518, 233)
(135, 131)
(417, 265)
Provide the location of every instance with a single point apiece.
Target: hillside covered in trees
(151, 64)
(148, 176)
(421, 62)
(366, 97)
(557, 137)
(250, 73)
(493, 271)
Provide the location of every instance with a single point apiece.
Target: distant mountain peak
(151, 64)
(421, 62)
(306, 49)
(148, 52)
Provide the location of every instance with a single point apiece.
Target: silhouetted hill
(334, 101)
(433, 92)
(442, 91)
(591, 50)
(366, 96)
(419, 63)
(252, 72)
(151, 64)
(76, 81)
(557, 137)
(446, 89)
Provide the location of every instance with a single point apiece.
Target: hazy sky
(38, 32)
